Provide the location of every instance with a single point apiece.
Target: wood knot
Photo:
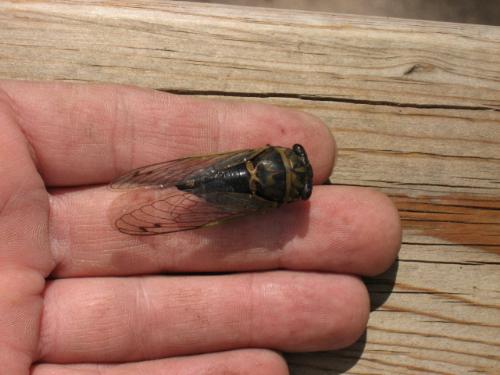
(418, 68)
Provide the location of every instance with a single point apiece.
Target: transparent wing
(159, 211)
(167, 174)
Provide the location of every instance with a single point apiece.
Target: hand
(76, 293)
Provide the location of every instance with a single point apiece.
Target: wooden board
(415, 109)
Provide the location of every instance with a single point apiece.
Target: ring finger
(161, 316)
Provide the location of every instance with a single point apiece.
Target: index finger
(87, 134)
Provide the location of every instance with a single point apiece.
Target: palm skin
(78, 297)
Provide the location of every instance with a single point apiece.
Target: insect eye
(302, 156)
(301, 153)
(299, 150)
(306, 192)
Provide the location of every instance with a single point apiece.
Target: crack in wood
(322, 98)
(442, 244)
(471, 263)
(447, 221)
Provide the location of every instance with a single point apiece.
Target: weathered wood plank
(414, 106)
(173, 45)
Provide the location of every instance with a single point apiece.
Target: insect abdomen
(232, 180)
(264, 176)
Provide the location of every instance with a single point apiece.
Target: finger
(341, 229)
(88, 134)
(130, 319)
(240, 362)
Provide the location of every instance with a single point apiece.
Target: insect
(201, 191)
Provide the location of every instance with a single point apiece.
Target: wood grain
(415, 109)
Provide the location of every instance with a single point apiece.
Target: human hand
(76, 293)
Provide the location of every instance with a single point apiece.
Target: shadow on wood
(381, 286)
(340, 361)
(331, 363)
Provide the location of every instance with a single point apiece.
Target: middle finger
(340, 229)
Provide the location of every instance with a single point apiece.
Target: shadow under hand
(380, 287)
(247, 243)
(256, 234)
(340, 361)
(322, 363)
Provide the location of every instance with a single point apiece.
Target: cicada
(201, 191)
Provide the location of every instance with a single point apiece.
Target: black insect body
(206, 190)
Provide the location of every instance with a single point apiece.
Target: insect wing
(159, 211)
(167, 174)
(153, 204)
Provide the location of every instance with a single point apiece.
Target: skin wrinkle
(159, 127)
(222, 115)
(13, 197)
(183, 141)
(101, 369)
(45, 341)
(184, 136)
(121, 127)
(142, 308)
(13, 194)
(251, 312)
(59, 236)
